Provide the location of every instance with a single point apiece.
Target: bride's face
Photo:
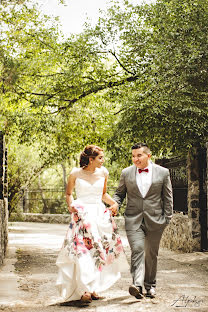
(98, 160)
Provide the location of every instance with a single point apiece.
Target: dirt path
(27, 279)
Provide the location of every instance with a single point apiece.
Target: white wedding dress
(92, 256)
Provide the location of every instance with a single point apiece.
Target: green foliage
(165, 45)
(139, 75)
(24, 165)
(157, 52)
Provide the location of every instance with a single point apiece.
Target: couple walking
(92, 255)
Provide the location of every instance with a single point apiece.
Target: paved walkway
(27, 278)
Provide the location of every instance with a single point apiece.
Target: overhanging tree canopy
(165, 45)
(151, 60)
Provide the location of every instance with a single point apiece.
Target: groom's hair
(144, 145)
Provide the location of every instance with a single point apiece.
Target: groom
(148, 211)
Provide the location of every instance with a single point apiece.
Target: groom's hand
(114, 209)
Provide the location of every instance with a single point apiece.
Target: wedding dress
(92, 256)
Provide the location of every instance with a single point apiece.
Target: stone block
(194, 204)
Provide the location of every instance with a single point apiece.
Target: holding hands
(114, 209)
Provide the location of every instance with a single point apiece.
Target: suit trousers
(144, 246)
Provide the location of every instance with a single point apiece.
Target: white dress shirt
(144, 179)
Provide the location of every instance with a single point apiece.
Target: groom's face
(140, 158)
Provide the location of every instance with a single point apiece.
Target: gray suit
(145, 219)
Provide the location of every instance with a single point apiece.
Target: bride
(92, 255)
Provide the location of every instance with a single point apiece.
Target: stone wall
(3, 200)
(39, 217)
(178, 235)
(188, 233)
(50, 218)
(193, 197)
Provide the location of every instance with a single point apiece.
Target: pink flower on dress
(100, 268)
(110, 258)
(119, 248)
(119, 241)
(79, 245)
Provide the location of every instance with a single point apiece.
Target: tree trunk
(64, 175)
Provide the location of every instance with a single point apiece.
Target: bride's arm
(109, 200)
(69, 190)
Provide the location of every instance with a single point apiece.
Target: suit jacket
(155, 208)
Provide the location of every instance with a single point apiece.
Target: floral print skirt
(92, 255)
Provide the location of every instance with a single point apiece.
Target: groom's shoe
(136, 291)
(151, 293)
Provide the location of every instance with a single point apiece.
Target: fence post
(3, 199)
(25, 200)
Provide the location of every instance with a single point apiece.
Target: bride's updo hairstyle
(89, 151)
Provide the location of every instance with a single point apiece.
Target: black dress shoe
(151, 293)
(136, 291)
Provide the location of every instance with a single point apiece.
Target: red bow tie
(145, 170)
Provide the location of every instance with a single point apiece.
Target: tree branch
(128, 71)
(44, 43)
(108, 85)
(49, 96)
(42, 76)
(100, 88)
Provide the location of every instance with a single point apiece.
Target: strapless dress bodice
(89, 193)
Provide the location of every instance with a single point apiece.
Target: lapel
(153, 178)
(134, 171)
